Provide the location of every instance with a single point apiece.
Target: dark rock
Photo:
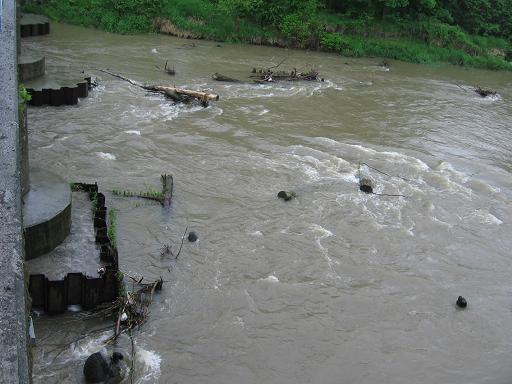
(366, 186)
(286, 196)
(96, 368)
(192, 237)
(461, 302)
(116, 356)
(99, 367)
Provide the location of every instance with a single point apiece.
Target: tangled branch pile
(131, 309)
(268, 75)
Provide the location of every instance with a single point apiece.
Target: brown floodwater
(335, 286)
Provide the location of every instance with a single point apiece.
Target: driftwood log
(219, 77)
(175, 93)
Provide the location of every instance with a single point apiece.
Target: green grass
(112, 224)
(424, 41)
(407, 50)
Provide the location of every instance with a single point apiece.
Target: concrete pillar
(13, 316)
(23, 139)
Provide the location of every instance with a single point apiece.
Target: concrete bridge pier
(14, 367)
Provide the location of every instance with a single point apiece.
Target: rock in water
(366, 186)
(461, 302)
(286, 196)
(117, 368)
(192, 237)
(96, 368)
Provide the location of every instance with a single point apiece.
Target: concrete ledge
(56, 97)
(34, 25)
(31, 67)
(14, 366)
(46, 213)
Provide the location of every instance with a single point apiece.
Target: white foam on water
(271, 279)
(154, 50)
(484, 217)
(105, 155)
(216, 284)
(150, 361)
(265, 111)
(133, 132)
(331, 84)
(444, 223)
(238, 321)
(323, 234)
(256, 233)
(86, 347)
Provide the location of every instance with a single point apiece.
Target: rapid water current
(335, 286)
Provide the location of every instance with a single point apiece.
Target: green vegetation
(121, 287)
(149, 193)
(112, 224)
(23, 94)
(473, 33)
(94, 203)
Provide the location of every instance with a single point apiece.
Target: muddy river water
(335, 286)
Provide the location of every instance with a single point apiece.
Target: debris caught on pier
(164, 197)
(179, 95)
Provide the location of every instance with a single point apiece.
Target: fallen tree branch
(182, 240)
(175, 93)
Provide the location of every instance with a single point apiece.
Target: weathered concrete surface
(14, 367)
(78, 252)
(34, 25)
(46, 213)
(30, 66)
(23, 139)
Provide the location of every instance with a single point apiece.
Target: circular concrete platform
(30, 65)
(34, 25)
(46, 213)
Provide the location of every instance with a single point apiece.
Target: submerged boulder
(366, 185)
(461, 302)
(99, 367)
(286, 196)
(192, 237)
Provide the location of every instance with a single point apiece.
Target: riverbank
(427, 42)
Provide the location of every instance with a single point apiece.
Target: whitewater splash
(148, 365)
(106, 155)
(270, 279)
